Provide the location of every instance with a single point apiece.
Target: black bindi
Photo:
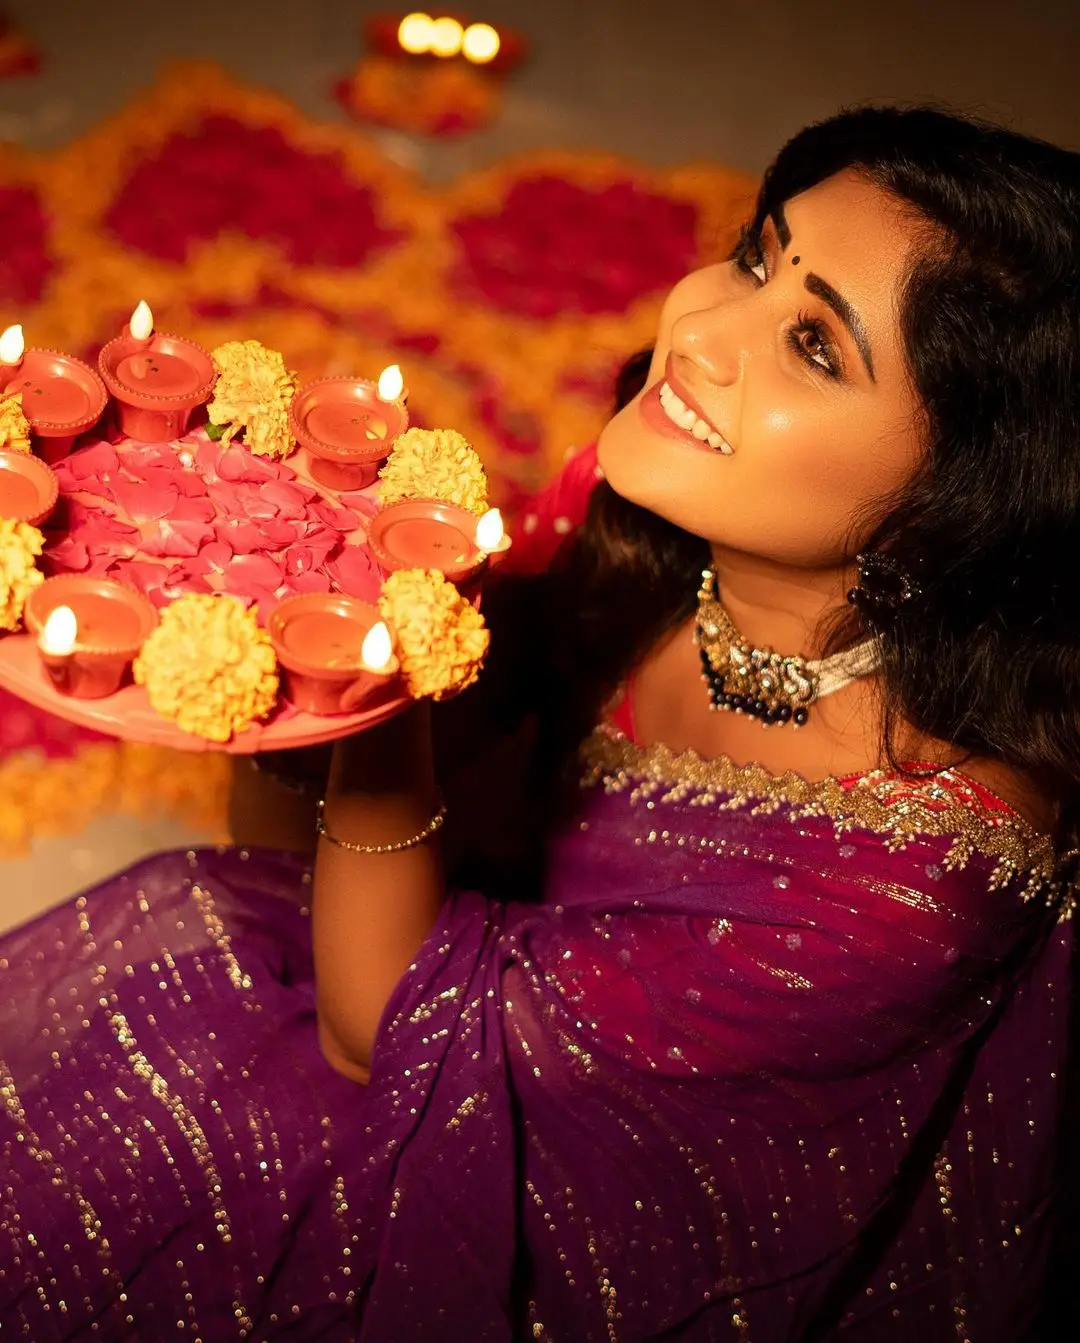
(795, 260)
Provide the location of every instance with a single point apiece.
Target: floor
(667, 83)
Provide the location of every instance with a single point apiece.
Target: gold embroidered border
(900, 809)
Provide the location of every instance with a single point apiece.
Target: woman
(778, 1052)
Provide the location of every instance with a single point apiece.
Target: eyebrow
(828, 295)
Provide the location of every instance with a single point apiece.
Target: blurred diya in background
(335, 651)
(348, 426)
(89, 631)
(432, 534)
(61, 396)
(158, 381)
(445, 37)
(430, 75)
(28, 487)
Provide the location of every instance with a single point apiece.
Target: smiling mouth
(683, 417)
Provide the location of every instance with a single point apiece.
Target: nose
(715, 341)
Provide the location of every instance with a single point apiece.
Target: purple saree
(772, 1061)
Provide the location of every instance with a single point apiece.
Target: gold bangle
(402, 844)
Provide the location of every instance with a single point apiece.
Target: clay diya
(432, 534)
(348, 426)
(61, 396)
(89, 631)
(335, 651)
(28, 487)
(158, 381)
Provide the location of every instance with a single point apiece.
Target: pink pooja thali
(198, 516)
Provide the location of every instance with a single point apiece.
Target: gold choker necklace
(759, 682)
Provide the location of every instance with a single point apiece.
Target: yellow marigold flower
(441, 638)
(209, 666)
(14, 426)
(253, 393)
(20, 545)
(435, 464)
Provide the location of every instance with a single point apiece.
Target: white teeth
(680, 413)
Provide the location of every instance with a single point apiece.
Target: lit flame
(391, 383)
(490, 531)
(12, 345)
(480, 43)
(446, 37)
(414, 33)
(377, 648)
(60, 632)
(142, 321)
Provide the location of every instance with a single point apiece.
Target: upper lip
(687, 397)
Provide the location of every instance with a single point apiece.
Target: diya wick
(158, 381)
(61, 396)
(348, 426)
(433, 534)
(88, 632)
(335, 651)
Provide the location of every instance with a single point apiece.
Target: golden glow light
(377, 648)
(12, 345)
(490, 531)
(142, 321)
(415, 32)
(480, 43)
(391, 383)
(446, 37)
(59, 632)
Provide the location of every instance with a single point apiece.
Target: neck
(777, 606)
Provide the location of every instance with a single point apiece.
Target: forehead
(862, 240)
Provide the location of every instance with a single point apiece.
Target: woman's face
(778, 407)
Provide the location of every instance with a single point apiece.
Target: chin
(624, 459)
(642, 468)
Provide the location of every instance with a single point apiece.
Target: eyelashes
(809, 338)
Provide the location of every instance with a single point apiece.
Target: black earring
(884, 585)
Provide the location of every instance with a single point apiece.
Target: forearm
(372, 911)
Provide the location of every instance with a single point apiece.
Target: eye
(748, 256)
(810, 340)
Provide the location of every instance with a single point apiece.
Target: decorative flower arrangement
(14, 426)
(20, 545)
(440, 638)
(252, 396)
(435, 464)
(209, 666)
(443, 99)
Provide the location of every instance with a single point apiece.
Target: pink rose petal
(354, 572)
(152, 456)
(245, 573)
(315, 580)
(287, 497)
(237, 464)
(278, 532)
(255, 503)
(243, 536)
(141, 574)
(67, 553)
(343, 519)
(96, 460)
(142, 502)
(175, 537)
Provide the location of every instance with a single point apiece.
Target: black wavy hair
(987, 657)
